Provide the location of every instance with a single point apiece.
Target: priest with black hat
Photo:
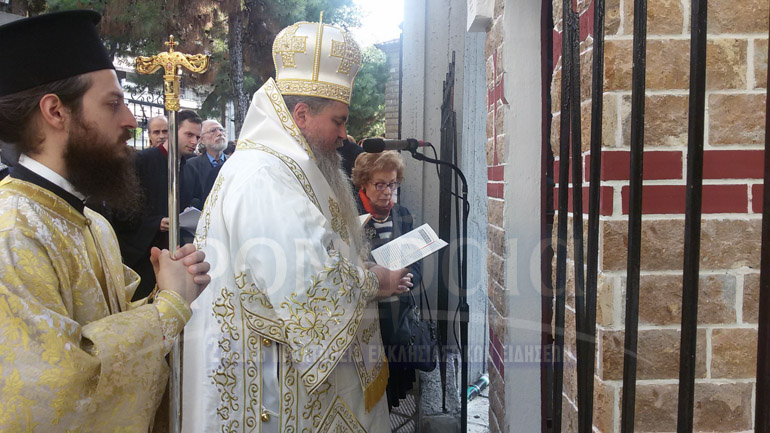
(75, 353)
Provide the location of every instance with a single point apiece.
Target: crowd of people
(285, 313)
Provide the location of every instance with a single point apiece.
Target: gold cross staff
(172, 63)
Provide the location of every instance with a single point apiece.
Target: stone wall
(733, 169)
(497, 309)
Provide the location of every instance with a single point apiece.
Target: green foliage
(367, 104)
(139, 28)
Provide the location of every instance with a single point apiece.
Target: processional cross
(172, 62)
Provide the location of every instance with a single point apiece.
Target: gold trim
(295, 168)
(287, 121)
(202, 234)
(376, 389)
(340, 409)
(318, 45)
(368, 376)
(224, 377)
(289, 392)
(320, 89)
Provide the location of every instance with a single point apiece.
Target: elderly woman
(377, 177)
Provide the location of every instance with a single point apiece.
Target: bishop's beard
(330, 165)
(101, 169)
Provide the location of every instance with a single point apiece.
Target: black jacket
(139, 233)
(205, 173)
(401, 378)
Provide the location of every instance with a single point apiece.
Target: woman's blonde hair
(368, 163)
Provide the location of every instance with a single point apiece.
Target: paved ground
(403, 419)
(478, 413)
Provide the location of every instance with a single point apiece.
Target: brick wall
(497, 310)
(392, 50)
(727, 331)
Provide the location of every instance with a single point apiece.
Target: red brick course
(496, 352)
(756, 198)
(670, 199)
(495, 173)
(495, 189)
(657, 165)
(605, 200)
(733, 164)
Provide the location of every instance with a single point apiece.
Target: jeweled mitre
(316, 59)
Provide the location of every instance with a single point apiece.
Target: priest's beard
(329, 163)
(102, 169)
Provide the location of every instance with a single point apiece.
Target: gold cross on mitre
(348, 51)
(288, 44)
(172, 62)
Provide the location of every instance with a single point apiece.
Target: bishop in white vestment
(286, 337)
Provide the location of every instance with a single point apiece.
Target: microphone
(377, 145)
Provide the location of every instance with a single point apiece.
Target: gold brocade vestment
(75, 354)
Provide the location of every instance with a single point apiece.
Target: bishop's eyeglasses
(380, 186)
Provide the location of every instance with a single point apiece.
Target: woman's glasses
(380, 186)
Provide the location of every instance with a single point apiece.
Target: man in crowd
(158, 127)
(287, 338)
(75, 353)
(206, 166)
(8, 158)
(138, 233)
(229, 149)
(349, 151)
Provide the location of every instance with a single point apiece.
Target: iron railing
(586, 285)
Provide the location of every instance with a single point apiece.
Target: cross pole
(172, 62)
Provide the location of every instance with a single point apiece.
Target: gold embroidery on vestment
(338, 221)
(311, 323)
(341, 418)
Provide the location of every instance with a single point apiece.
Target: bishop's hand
(391, 282)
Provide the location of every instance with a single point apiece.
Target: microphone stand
(463, 289)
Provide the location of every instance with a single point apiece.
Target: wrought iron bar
(692, 221)
(585, 423)
(546, 221)
(561, 246)
(634, 216)
(762, 409)
(448, 140)
(573, 27)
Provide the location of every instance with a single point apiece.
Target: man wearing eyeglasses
(206, 166)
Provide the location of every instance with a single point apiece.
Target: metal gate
(144, 105)
(586, 267)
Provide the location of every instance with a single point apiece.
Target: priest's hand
(185, 274)
(391, 282)
(164, 224)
